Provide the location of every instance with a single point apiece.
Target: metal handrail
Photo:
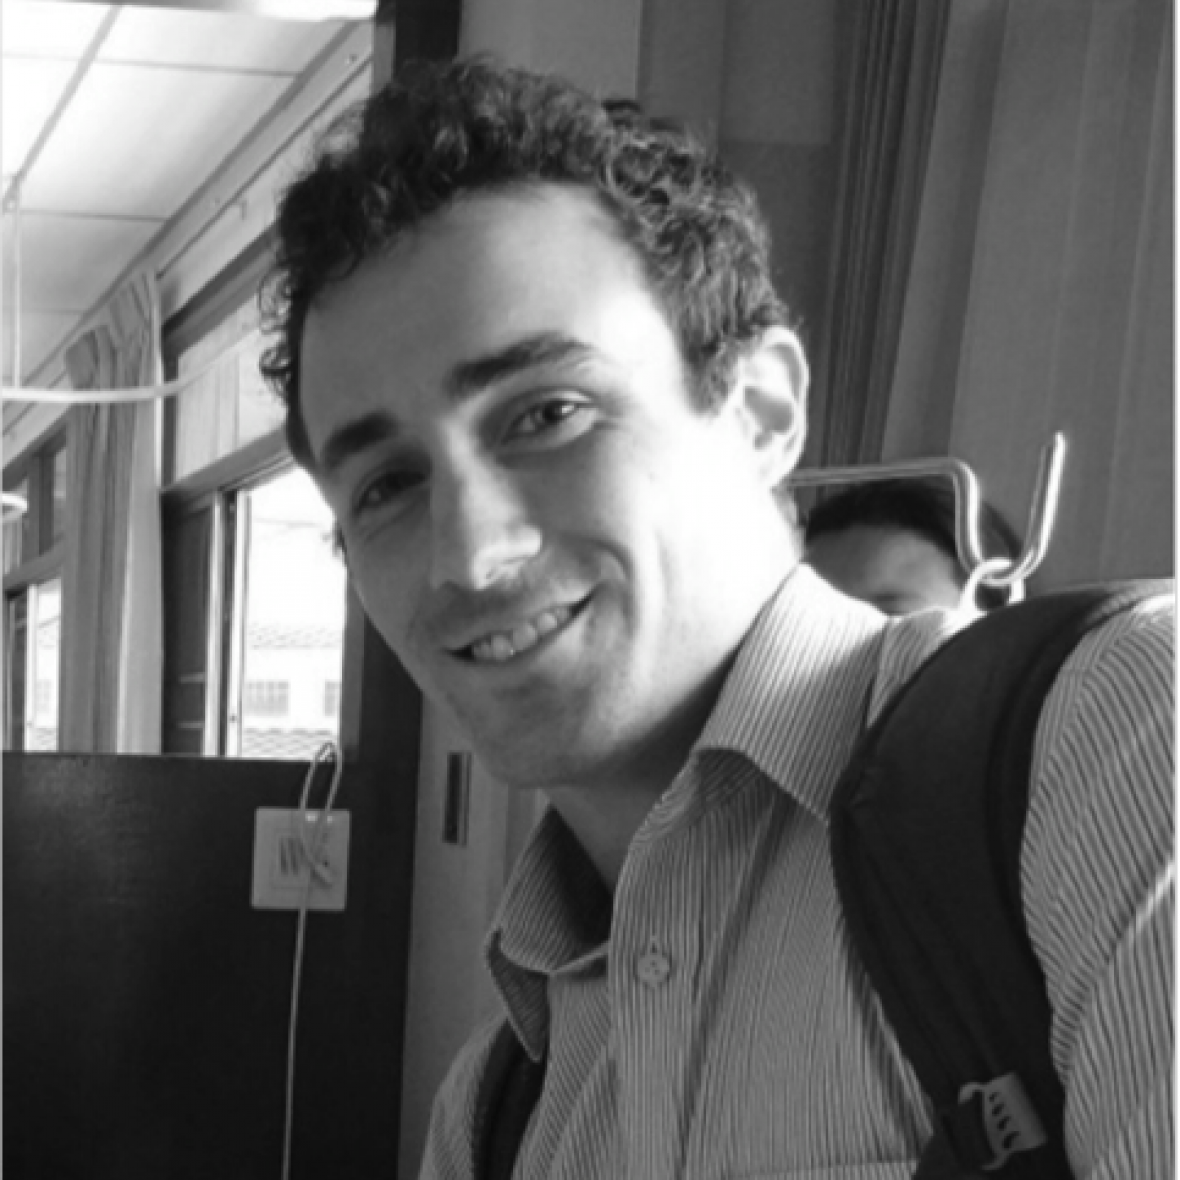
(1001, 570)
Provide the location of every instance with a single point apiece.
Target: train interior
(972, 217)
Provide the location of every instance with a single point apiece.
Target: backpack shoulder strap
(926, 828)
(509, 1088)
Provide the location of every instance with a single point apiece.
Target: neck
(604, 822)
(605, 814)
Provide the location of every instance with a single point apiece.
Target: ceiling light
(317, 9)
(295, 10)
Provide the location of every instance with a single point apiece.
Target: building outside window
(44, 667)
(266, 698)
(290, 620)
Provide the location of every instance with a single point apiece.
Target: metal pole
(17, 191)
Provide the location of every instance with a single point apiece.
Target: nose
(481, 530)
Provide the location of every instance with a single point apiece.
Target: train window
(33, 560)
(288, 622)
(39, 478)
(33, 657)
(254, 618)
(254, 596)
(41, 710)
(16, 530)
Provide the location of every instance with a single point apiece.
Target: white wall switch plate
(281, 872)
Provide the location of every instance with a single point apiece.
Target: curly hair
(440, 132)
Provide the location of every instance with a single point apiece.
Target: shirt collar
(555, 914)
(798, 696)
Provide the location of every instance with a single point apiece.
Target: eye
(550, 414)
(387, 487)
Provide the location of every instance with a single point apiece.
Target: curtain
(111, 615)
(1041, 293)
(826, 107)
(892, 87)
(767, 81)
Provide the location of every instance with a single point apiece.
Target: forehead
(470, 282)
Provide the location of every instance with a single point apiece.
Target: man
(532, 355)
(892, 543)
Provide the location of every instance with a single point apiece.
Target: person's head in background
(892, 543)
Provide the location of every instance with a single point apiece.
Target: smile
(507, 645)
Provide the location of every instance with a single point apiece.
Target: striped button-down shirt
(709, 1019)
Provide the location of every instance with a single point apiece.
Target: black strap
(508, 1093)
(927, 826)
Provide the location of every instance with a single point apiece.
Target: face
(564, 551)
(897, 571)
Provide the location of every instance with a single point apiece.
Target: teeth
(524, 637)
(504, 645)
(550, 621)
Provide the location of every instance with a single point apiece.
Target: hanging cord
(116, 397)
(311, 847)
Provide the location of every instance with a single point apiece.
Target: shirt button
(654, 967)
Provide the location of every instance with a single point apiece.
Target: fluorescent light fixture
(39, 28)
(295, 10)
(31, 91)
(315, 9)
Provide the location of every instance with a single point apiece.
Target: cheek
(386, 591)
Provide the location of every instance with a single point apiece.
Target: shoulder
(1134, 649)
(1105, 737)
(1096, 877)
(908, 641)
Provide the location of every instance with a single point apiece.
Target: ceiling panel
(42, 29)
(67, 263)
(41, 333)
(141, 140)
(29, 90)
(215, 40)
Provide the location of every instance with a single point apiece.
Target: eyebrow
(531, 352)
(353, 438)
(465, 380)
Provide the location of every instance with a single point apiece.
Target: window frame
(36, 465)
(46, 563)
(218, 486)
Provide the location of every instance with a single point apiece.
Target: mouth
(500, 647)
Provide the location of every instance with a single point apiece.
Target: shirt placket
(653, 971)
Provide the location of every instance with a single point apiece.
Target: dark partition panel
(146, 1003)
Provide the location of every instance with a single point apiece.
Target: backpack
(926, 829)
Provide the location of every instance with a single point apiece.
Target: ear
(770, 394)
